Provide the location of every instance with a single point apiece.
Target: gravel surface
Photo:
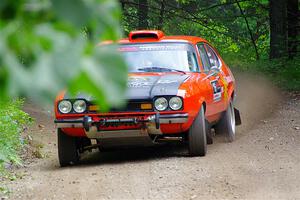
(263, 162)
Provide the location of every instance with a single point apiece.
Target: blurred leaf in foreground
(47, 46)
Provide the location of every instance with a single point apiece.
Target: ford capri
(179, 89)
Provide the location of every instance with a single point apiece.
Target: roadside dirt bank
(263, 162)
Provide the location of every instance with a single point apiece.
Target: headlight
(79, 106)
(161, 104)
(65, 106)
(175, 103)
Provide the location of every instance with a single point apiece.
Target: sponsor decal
(154, 48)
(228, 79)
(217, 90)
(127, 48)
(225, 84)
(181, 92)
(217, 96)
(162, 48)
(163, 90)
(137, 82)
(138, 79)
(167, 81)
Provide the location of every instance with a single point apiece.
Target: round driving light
(65, 106)
(161, 104)
(175, 103)
(79, 106)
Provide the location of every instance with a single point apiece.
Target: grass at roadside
(282, 72)
(12, 122)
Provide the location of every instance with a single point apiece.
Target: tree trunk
(161, 15)
(143, 14)
(292, 22)
(122, 5)
(278, 28)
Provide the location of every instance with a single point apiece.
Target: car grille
(131, 106)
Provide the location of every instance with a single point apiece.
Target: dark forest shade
(143, 14)
(278, 33)
(259, 29)
(284, 28)
(293, 26)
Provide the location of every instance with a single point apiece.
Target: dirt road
(263, 162)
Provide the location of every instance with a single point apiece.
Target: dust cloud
(257, 99)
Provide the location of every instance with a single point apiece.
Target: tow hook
(87, 122)
(157, 120)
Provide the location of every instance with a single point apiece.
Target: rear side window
(212, 56)
(204, 57)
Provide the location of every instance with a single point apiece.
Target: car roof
(144, 36)
(175, 38)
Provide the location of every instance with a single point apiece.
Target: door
(209, 59)
(222, 93)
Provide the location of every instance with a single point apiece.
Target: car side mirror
(214, 70)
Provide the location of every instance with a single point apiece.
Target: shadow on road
(134, 154)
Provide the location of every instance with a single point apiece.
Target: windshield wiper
(160, 69)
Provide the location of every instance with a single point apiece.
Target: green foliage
(218, 21)
(104, 82)
(45, 48)
(12, 122)
(4, 191)
(283, 72)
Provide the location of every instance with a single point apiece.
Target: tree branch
(250, 32)
(193, 17)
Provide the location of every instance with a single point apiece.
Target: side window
(193, 66)
(204, 58)
(212, 56)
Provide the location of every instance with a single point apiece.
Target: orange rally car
(179, 88)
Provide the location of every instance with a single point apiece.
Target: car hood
(148, 86)
(145, 86)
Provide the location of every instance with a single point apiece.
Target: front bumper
(148, 124)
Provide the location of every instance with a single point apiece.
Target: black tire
(197, 135)
(67, 149)
(209, 136)
(226, 125)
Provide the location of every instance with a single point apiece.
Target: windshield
(160, 57)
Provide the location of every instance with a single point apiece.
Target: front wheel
(67, 149)
(197, 135)
(226, 125)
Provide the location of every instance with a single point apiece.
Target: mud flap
(237, 115)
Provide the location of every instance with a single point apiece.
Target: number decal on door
(217, 90)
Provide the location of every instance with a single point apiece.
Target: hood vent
(145, 34)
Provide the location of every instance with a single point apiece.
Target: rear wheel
(226, 125)
(67, 149)
(197, 135)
